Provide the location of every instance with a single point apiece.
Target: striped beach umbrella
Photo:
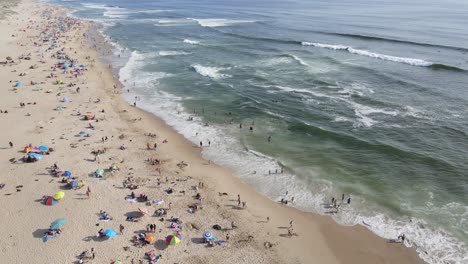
(207, 235)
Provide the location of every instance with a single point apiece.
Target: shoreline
(320, 238)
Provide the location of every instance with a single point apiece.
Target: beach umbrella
(50, 201)
(82, 133)
(65, 99)
(110, 233)
(35, 155)
(143, 210)
(81, 184)
(17, 84)
(99, 172)
(116, 262)
(207, 235)
(58, 223)
(59, 195)
(43, 148)
(73, 184)
(173, 239)
(67, 173)
(149, 238)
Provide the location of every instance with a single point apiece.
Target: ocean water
(366, 98)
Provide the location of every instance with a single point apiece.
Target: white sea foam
(192, 42)
(296, 58)
(410, 61)
(221, 22)
(172, 22)
(211, 72)
(164, 53)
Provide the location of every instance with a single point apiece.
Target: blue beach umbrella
(67, 173)
(73, 184)
(35, 155)
(110, 233)
(17, 84)
(58, 223)
(82, 133)
(43, 148)
(207, 235)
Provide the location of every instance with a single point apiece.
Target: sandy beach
(195, 193)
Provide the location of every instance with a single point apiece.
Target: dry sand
(25, 218)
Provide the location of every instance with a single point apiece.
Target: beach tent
(59, 195)
(50, 201)
(174, 239)
(58, 223)
(110, 233)
(67, 173)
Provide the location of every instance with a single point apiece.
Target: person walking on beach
(11, 144)
(88, 192)
(291, 223)
(201, 144)
(349, 200)
(121, 229)
(148, 147)
(244, 204)
(238, 200)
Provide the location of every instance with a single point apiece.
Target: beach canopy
(174, 239)
(58, 223)
(43, 148)
(67, 173)
(50, 201)
(110, 233)
(35, 155)
(208, 235)
(59, 195)
(149, 238)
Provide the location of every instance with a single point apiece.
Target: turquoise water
(365, 98)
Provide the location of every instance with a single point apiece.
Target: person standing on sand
(11, 144)
(291, 223)
(148, 146)
(238, 200)
(121, 229)
(349, 200)
(88, 192)
(201, 144)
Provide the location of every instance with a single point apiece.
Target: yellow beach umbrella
(59, 195)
